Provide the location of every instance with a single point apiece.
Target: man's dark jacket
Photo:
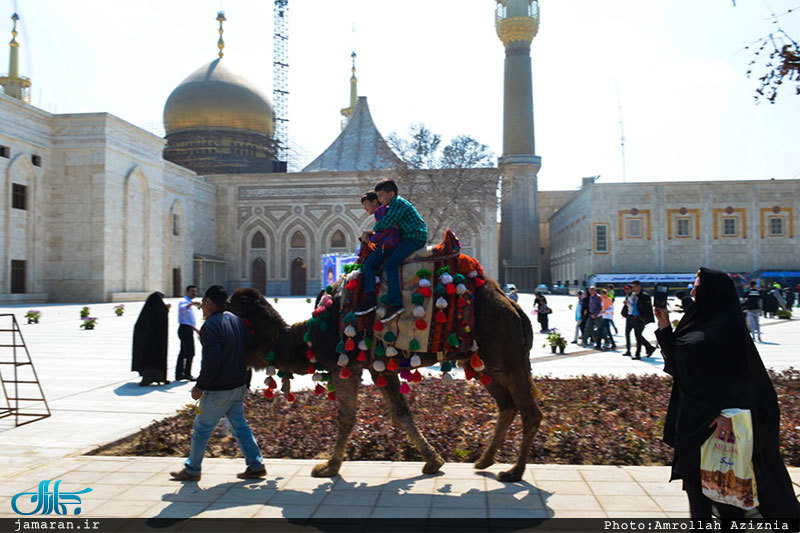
(224, 337)
(645, 308)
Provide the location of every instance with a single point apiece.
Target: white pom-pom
(472, 274)
(378, 279)
(379, 366)
(271, 371)
(461, 288)
(381, 312)
(350, 331)
(424, 282)
(343, 360)
(362, 345)
(441, 303)
(391, 351)
(447, 378)
(316, 377)
(480, 368)
(474, 347)
(416, 361)
(446, 278)
(419, 311)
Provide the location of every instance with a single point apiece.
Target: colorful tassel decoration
(391, 351)
(475, 361)
(290, 397)
(417, 299)
(452, 340)
(332, 396)
(350, 318)
(350, 331)
(440, 290)
(405, 388)
(319, 389)
(416, 361)
(340, 347)
(350, 345)
(390, 336)
(381, 312)
(446, 278)
(485, 379)
(450, 289)
(362, 356)
(441, 303)
(405, 362)
(458, 278)
(479, 282)
(268, 394)
(461, 288)
(271, 370)
(425, 283)
(378, 366)
(474, 347)
(362, 345)
(469, 373)
(316, 377)
(343, 360)
(381, 381)
(309, 354)
(427, 292)
(351, 285)
(391, 365)
(345, 373)
(377, 326)
(323, 327)
(413, 345)
(461, 302)
(440, 317)
(271, 383)
(472, 274)
(270, 356)
(423, 273)
(416, 376)
(419, 311)
(405, 374)
(447, 378)
(447, 366)
(422, 325)
(311, 369)
(380, 351)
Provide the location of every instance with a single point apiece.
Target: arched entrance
(260, 275)
(298, 277)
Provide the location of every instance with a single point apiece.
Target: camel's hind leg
(523, 391)
(401, 415)
(346, 403)
(506, 413)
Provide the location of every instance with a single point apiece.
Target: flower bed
(588, 420)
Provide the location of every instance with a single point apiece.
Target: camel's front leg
(346, 402)
(401, 415)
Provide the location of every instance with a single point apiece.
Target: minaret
(14, 85)
(347, 111)
(220, 43)
(517, 22)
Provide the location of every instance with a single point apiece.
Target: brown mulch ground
(588, 420)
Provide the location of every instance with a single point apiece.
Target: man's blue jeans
(391, 259)
(214, 405)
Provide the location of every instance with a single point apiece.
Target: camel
(502, 330)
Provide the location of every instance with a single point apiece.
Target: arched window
(338, 240)
(258, 241)
(298, 240)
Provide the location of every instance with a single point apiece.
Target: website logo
(47, 502)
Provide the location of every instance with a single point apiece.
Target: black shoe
(368, 306)
(614, 347)
(636, 357)
(574, 342)
(650, 351)
(393, 311)
(598, 348)
(627, 354)
(189, 377)
(249, 473)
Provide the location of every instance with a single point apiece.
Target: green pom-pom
(329, 289)
(323, 327)
(319, 367)
(380, 351)
(350, 317)
(368, 341)
(340, 347)
(271, 357)
(413, 345)
(310, 322)
(281, 374)
(324, 315)
(423, 273)
(390, 336)
(443, 270)
(331, 386)
(440, 290)
(417, 299)
(326, 377)
(447, 366)
(307, 337)
(384, 299)
(452, 340)
(459, 278)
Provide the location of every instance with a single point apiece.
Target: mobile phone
(660, 298)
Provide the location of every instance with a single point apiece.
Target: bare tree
(452, 187)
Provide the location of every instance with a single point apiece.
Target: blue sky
(678, 69)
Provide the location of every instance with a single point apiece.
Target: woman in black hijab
(716, 366)
(150, 341)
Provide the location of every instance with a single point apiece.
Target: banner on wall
(644, 278)
(333, 266)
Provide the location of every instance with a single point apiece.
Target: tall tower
(349, 110)
(15, 85)
(517, 22)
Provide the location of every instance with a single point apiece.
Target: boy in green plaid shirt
(413, 236)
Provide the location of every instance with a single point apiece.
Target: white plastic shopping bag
(726, 466)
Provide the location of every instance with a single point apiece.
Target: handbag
(726, 468)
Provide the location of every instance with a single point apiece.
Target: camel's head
(262, 318)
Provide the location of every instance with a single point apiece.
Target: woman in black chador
(150, 341)
(716, 366)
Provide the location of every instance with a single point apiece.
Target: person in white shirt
(187, 326)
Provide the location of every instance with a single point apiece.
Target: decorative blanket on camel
(438, 284)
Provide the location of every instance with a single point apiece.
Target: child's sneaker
(393, 311)
(368, 306)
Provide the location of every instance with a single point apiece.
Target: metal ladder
(21, 401)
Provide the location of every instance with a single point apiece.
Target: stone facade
(669, 227)
(549, 203)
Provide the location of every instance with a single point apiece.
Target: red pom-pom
(310, 354)
(391, 365)
(405, 388)
(319, 389)
(350, 345)
(268, 394)
(469, 373)
(440, 317)
(332, 396)
(461, 302)
(377, 326)
(345, 373)
(290, 397)
(475, 361)
(421, 324)
(381, 381)
(416, 377)
(450, 288)
(362, 356)
(351, 285)
(485, 379)
(479, 282)
(427, 292)
(271, 384)
(310, 369)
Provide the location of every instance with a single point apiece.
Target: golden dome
(214, 97)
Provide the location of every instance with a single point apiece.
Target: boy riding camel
(413, 236)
